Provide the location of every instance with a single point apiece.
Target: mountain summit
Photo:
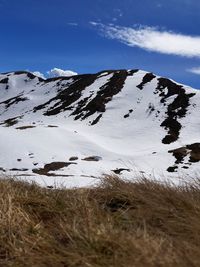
(71, 130)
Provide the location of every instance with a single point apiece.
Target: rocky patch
(13, 101)
(68, 95)
(176, 110)
(89, 105)
(53, 166)
(10, 122)
(86, 108)
(146, 79)
(29, 75)
(73, 158)
(52, 126)
(93, 158)
(5, 80)
(191, 151)
(25, 127)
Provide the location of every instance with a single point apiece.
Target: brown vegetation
(120, 224)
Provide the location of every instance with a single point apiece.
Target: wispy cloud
(39, 74)
(153, 39)
(195, 70)
(94, 23)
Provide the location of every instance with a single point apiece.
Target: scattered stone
(126, 116)
(93, 158)
(52, 126)
(49, 186)
(25, 127)
(73, 158)
(118, 171)
(172, 169)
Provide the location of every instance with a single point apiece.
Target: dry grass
(119, 224)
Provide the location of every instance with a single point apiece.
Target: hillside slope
(72, 129)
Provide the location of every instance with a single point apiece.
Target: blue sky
(92, 35)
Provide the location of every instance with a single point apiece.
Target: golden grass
(120, 224)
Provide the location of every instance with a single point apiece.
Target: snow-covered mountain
(70, 130)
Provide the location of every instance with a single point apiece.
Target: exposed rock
(73, 158)
(193, 151)
(53, 166)
(93, 158)
(118, 171)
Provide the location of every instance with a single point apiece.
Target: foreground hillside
(72, 129)
(119, 224)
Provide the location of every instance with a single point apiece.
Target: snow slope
(71, 130)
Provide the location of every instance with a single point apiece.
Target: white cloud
(93, 23)
(39, 74)
(58, 72)
(194, 70)
(153, 39)
(55, 73)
